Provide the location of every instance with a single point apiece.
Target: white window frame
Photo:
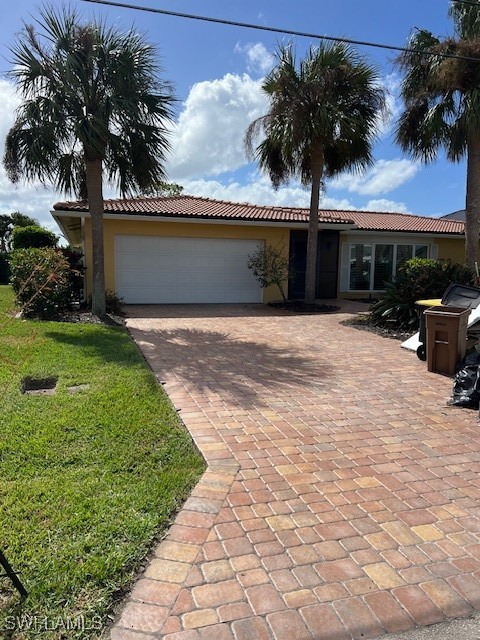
(414, 246)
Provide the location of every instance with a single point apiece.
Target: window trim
(373, 246)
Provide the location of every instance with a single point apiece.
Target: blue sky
(217, 72)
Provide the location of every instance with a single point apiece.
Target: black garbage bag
(466, 383)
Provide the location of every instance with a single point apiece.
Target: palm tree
(322, 120)
(442, 106)
(93, 108)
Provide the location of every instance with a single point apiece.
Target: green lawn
(87, 480)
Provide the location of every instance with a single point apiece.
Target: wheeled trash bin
(446, 338)
(457, 295)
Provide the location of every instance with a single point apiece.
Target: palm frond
(89, 92)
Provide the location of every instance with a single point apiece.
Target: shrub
(40, 279)
(74, 258)
(4, 268)
(270, 266)
(33, 237)
(113, 303)
(417, 279)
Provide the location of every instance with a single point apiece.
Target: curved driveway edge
(341, 498)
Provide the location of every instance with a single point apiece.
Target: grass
(87, 480)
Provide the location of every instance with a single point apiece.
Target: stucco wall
(451, 249)
(276, 236)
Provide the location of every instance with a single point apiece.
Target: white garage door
(153, 270)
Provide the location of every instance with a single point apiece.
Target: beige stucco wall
(451, 249)
(276, 236)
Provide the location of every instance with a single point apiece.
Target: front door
(327, 263)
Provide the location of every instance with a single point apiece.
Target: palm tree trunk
(472, 204)
(93, 169)
(312, 239)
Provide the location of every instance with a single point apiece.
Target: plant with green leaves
(442, 105)
(323, 118)
(417, 279)
(94, 109)
(8, 222)
(41, 280)
(32, 236)
(163, 189)
(271, 266)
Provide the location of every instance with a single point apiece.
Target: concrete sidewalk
(342, 495)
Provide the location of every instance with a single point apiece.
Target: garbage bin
(446, 337)
(422, 306)
(457, 295)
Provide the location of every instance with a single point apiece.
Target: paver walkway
(342, 497)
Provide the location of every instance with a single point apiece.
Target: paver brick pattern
(342, 495)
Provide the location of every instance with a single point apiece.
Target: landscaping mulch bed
(86, 317)
(298, 306)
(363, 323)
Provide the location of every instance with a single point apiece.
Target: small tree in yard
(270, 266)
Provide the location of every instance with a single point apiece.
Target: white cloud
(32, 199)
(383, 177)
(208, 139)
(257, 192)
(385, 205)
(391, 83)
(259, 59)
(261, 192)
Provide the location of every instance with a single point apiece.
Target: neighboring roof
(374, 221)
(456, 215)
(205, 208)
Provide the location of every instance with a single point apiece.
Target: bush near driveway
(87, 480)
(417, 279)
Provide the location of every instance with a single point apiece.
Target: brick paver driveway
(342, 495)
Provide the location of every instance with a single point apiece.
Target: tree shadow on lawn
(108, 344)
(228, 369)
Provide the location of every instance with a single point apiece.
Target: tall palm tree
(93, 108)
(442, 106)
(322, 120)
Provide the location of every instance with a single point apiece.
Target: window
(371, 265)
(421, 251)
(360, 266)
(404, 253)
(383, 265)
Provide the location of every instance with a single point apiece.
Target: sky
(217, 73)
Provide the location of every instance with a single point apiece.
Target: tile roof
(383, 221)
(185, 206)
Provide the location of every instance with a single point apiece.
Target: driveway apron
(342, 494)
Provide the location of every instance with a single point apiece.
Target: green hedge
(33, 237)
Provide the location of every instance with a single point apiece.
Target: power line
(303, 34)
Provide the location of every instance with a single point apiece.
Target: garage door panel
(153, 269)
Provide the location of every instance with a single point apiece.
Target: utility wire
(303, 34)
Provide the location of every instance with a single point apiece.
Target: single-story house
(186, 249)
